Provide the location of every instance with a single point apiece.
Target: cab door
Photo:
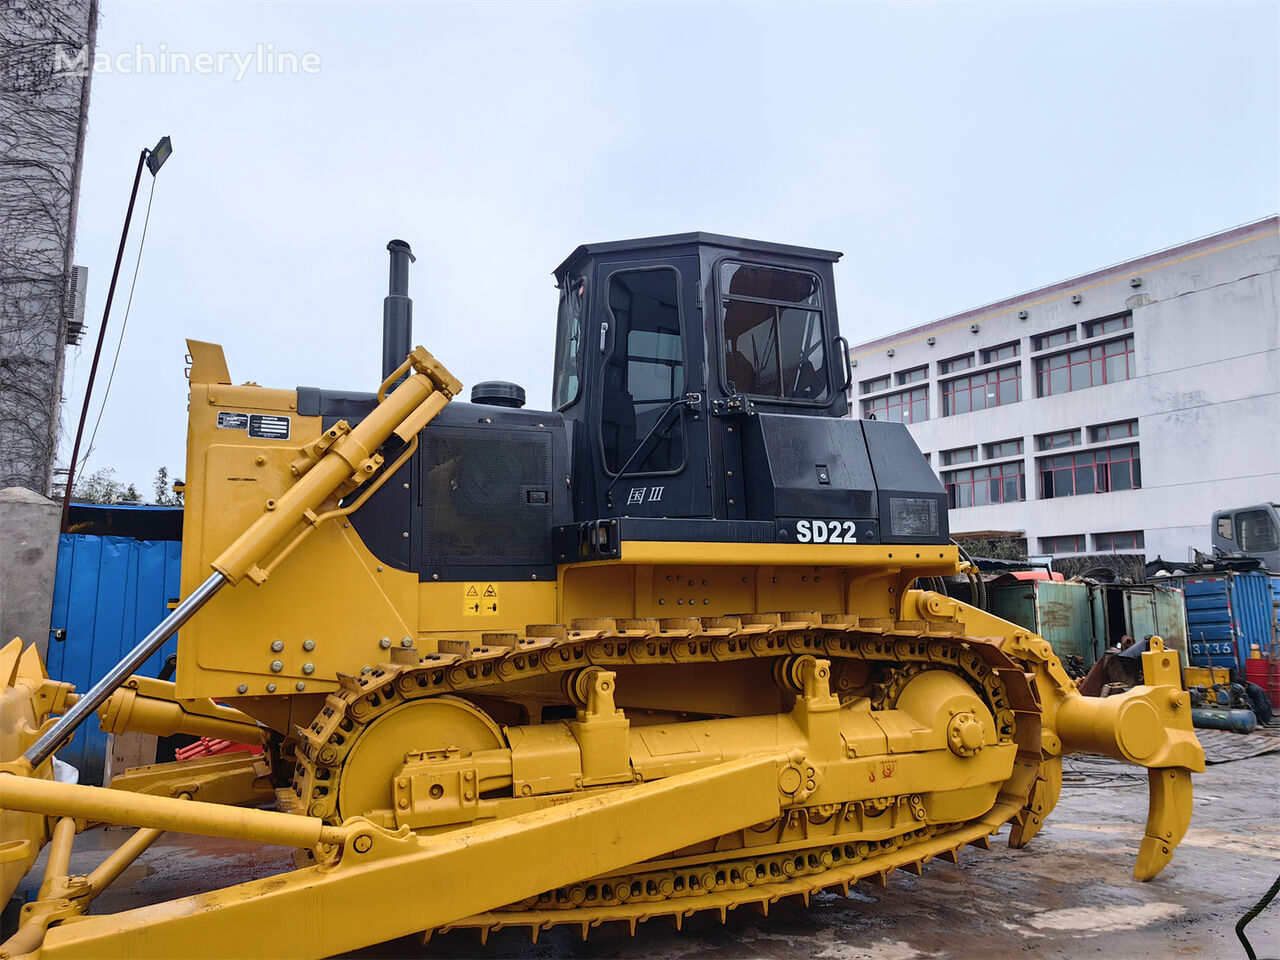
(651, 440)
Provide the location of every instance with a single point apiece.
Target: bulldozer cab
(664, 345)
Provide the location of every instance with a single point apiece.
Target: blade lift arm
(347, 461)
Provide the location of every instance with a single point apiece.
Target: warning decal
(480, 599)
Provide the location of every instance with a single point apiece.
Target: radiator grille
(487, 499)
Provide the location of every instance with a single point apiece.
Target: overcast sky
(957, 153)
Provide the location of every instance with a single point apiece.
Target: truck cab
(1252, 531)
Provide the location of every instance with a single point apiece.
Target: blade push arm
(348, 461)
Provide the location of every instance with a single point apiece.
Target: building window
(1086, 367)
(1100, 328)
(1090, 471)
(1001, 483)
(1122, 540)
(978, 391)
(959, 455)
(1070, 543)
(875, 384)
(956, 364)
(1054, 441)
(1056, 338)
(1006, 351)
(913, 376)
(905, 406)
(1005, 448)
(1113, 431)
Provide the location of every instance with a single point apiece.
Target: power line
(124, 325)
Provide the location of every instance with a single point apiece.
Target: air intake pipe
(397, 310)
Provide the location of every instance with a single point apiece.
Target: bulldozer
(680, 645)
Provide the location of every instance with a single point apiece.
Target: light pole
(154, 159)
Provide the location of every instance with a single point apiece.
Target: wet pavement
(1070, 893)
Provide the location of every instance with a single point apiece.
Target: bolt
(379, 568)
(363, 843)
(308, 645)
(243, 688)
(277, 646)
(300, 686)
(271, 688)
(385, 643)
(366, 669)
(276, 666)
(405, 534)
(308, 668)
(406, 641)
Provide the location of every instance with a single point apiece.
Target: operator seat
(617, 417)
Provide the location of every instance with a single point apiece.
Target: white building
(1110, 412)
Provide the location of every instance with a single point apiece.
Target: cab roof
(646, 244)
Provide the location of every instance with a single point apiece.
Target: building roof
(1202, 245)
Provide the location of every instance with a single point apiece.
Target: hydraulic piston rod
(55, 736)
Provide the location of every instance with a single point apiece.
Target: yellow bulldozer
(681, 644)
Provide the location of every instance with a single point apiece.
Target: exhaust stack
(397, 310)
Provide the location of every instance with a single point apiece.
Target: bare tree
(43, 112)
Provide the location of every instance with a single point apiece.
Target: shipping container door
(1210, 631)
(108, 594)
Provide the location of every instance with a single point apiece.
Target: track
(809, 848)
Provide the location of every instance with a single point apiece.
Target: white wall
(1206, 325)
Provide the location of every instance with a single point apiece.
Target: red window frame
(876, 383)
(956, 364)
(1119, 540)
(1054, 338)
(959, 455)
(1006, 351)
(1121, 430)
(1100, 328)
(1066, 543)
(905, 406)
(1090, 471)
(914, 375)
(995, 451)
(1086, 367)
(979, 383)
(980, 486)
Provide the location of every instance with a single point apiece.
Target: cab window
(568, 343)
(644, 372)
(774, 344)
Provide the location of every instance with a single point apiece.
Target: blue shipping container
(108, 593)
(1227, 614)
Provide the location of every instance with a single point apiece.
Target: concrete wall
(1206, 394)
(29, 527)
(43, 113)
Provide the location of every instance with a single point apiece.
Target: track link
(820, 859)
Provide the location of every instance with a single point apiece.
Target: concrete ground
(1069, 894)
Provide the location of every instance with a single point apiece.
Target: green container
(1060, 611)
